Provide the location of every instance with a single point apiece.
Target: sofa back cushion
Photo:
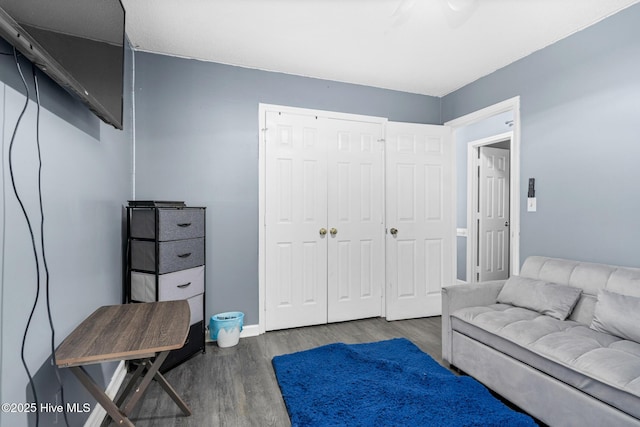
(547, 298)
(618, 315)
(589, 277)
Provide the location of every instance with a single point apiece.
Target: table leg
(127, 389)
(120, 416)
(146, 380)
(146, 363)
(101, 397)
(172, 393)
(153, 372)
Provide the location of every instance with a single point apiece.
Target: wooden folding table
(127, 332)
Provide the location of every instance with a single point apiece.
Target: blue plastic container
(225, 328)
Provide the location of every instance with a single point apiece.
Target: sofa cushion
(618, 315)
(547, 298)
(601, 365)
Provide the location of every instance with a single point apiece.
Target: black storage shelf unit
(166, 261)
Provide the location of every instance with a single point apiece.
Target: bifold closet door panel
(324, 221)
(419, 198)
(295, 244)
(355, 208)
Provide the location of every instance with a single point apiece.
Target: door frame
(473, 192)
(262, 158)
(513, 105)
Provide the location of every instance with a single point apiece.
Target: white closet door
(419, 191)
(493, 215)
(295, 214)
(355, 219)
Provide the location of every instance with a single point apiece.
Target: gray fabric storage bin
(172, 255)
(174, 224)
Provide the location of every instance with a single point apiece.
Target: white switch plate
(531, 204)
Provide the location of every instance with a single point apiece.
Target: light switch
(531, 204)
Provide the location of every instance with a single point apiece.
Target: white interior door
(493, 214)
(355, 220)
(419, 217)
(295, 214)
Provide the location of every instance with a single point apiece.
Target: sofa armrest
(456, 297)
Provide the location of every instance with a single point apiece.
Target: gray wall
(580, 99)
(197, 141)
(86, 178)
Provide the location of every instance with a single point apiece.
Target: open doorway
(496, 124)
(488, 208)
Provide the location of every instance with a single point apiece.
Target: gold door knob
(394, 231)
(333, 231)
(323, 231)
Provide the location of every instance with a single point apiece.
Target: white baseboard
(247, 331)
(250, 331)
(98, 413)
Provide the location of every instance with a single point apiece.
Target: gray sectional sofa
(561, 340)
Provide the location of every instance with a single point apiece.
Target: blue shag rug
(387, 383)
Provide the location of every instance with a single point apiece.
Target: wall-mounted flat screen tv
(78, 43)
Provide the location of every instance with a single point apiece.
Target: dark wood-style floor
(237, 387)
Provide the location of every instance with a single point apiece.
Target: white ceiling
(429, 47)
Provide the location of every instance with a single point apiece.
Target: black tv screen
(78, 43)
